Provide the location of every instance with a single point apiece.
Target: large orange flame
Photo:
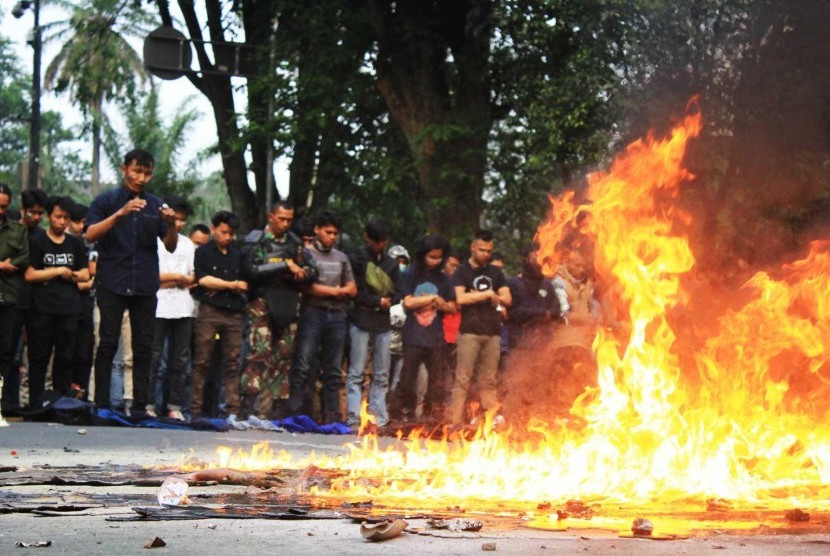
(742, 418)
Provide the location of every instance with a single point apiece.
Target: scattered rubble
(797, 515)
(383, 531)
(155, 543)
(642, 527)
(455, 525)
(35, 544)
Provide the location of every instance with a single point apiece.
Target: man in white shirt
(173, 331)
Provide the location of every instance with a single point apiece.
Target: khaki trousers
(476, 353)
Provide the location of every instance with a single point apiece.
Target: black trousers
(142, 316)
(405, 394)
(171, 375)
(11, 323)
(83, 353)
(48, 333)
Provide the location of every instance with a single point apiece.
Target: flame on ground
(742, 417)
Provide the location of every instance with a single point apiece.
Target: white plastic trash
(173, 492)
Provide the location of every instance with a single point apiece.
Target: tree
(555, 84)
(147, 129)
(432, 67)
(96, 64)
(216, 86)
(15, 110)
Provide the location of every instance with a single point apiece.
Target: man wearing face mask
(535, 305)
(530, 325)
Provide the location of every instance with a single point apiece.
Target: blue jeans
(324, 330)
(357, 369)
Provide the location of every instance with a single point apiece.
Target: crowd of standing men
(260, 326)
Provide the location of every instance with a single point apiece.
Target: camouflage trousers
(266, 369)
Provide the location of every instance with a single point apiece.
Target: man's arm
(44, 275)
(172, 237)
(321, 290)
(21, 261)
(97, 231)
(213, 283)
(505, 297)
(469, 298)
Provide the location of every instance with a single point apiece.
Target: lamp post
(34, 131)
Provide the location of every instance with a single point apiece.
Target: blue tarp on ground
(71, 411)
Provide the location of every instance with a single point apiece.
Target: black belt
(328, 309)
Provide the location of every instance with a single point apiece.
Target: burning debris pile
(701, 392)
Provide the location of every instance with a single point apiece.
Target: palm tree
(147, 129)
(96, 64)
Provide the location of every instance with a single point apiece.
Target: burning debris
(642, 527)
(732, 417)
(383, 531)
(456, 525)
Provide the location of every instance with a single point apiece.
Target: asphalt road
(34, 445)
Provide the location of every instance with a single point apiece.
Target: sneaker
(175, 414)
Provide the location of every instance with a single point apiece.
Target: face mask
(531, 270)
(402, 267)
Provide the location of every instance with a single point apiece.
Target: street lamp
(34, 132)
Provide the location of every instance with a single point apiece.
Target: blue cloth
(108, 417)
(128, 262)
(304, 423)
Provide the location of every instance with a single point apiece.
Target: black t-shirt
(209, 261)
(424, 327)
(480, 318)
(56, 296)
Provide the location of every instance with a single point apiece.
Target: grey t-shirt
(335, 270)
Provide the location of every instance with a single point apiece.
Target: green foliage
(14, 114)
(146, 129)
(209, 196)
(347, 153)
(96, 64)
(64, 171)
(555, 80)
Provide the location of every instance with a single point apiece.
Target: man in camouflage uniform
(277, 266)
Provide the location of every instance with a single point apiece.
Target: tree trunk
(218, 90)
(95, 182)
(258, 18)
(433, 74)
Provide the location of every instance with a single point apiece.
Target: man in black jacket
(276, 266)
(376, 274)
(528, 385)
(535, 305)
